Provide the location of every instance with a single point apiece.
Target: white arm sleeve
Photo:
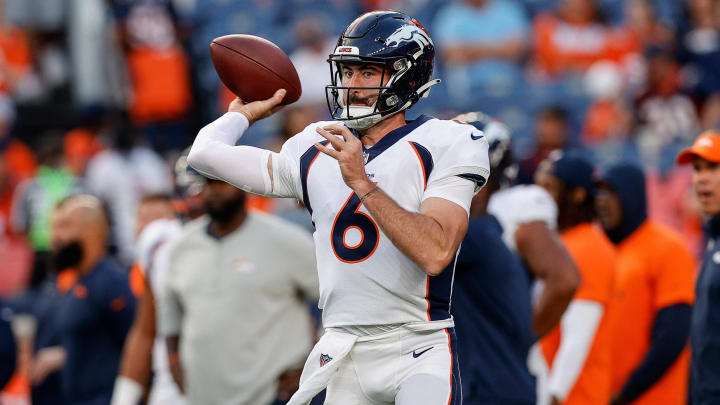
(215, 155)
(578, 325)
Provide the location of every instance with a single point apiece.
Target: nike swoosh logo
(475, 138)
(416, 355)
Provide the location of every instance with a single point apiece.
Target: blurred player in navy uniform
(705, 326)
(527, 215)
(491, 303)
(96, 313)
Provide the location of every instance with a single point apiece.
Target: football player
(527, 216)
(145, 352)
(389, 199)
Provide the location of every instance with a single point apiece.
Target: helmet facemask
(387, 100)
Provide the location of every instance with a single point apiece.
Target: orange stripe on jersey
(137, 280)
(451, 366)
(422, 165)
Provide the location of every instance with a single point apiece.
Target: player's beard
(225, 211)
(68, 255)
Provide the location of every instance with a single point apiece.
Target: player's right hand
(258, 110)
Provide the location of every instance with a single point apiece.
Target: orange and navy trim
(306, 161)
(425, 158)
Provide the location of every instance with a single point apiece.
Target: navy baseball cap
(575, 171)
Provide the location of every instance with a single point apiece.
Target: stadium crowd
(99, 99)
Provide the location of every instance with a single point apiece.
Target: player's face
(550, 183)
(608, 207)
(65, 239)
(367, 75)
(706, 182)
(149, 211)
(222, 200)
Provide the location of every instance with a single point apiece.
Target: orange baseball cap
(706, 146)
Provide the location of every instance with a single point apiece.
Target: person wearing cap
(649, 316)
(705, 325)
(578, 350)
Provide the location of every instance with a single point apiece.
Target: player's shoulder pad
(524, 203)
(457, 149)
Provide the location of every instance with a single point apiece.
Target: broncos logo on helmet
(408, 33)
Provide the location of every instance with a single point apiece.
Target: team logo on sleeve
(324, 359)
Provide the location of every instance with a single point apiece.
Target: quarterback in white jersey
(389, 199)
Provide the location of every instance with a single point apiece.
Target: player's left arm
(431, 237)
(136, 361)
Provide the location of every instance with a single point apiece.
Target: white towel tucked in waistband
(332, 348)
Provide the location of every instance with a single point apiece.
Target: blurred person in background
(699, 43)
(491, 298)
(145, 355)
(552, 130)
(482, 44)
(96, 313)
(158, 67)
(641, 29)
(571, 39)
(527, 215)
(609, 119)
(36, 198)
(665, 113)
(234, 313)
(578, 350)
(144, 172)
(649, 314)
(705, 327)
(315, 43)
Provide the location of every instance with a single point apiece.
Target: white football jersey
(364, 278)
(152, 253)
(519, 205)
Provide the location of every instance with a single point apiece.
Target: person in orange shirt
(571, 39)
(650, 312)
(578, 350)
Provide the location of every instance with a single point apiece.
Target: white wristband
(126, 392)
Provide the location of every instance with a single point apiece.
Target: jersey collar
(392, 137)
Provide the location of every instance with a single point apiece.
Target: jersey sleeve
(287, 164)
(458, 151)
(286, 169)
(520, 205)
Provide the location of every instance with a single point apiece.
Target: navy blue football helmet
(499, 138)
(395, 41)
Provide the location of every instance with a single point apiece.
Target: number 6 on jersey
(348, 218)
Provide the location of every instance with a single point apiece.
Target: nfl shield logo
(324, 359)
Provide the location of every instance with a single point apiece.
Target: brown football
(253, 68)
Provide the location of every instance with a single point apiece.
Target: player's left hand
(348, 151)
